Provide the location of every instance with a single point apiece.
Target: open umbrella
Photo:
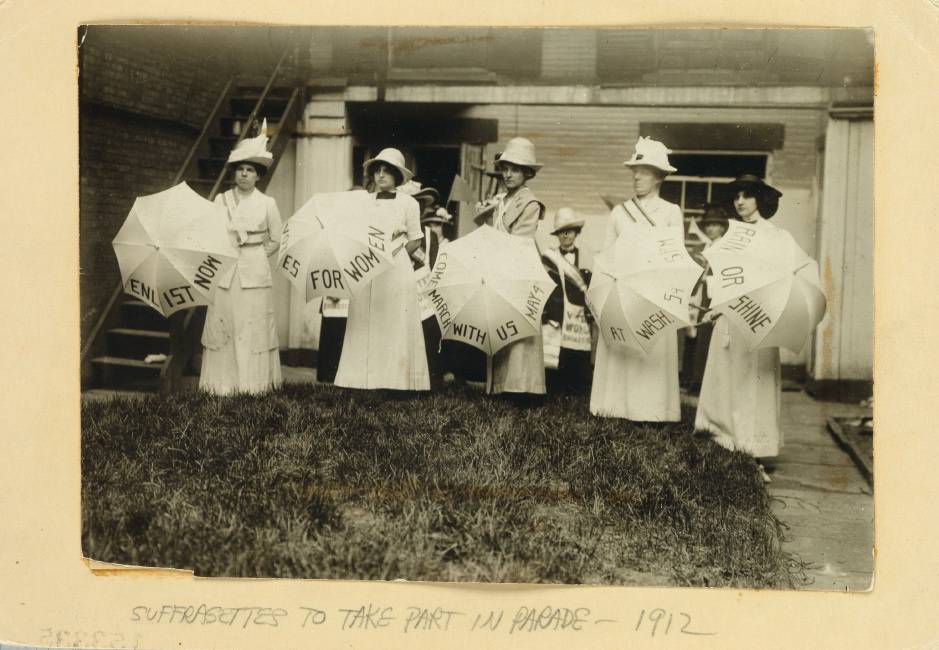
(641, 286)
(335, 245)
(173, 249)
(488, 289)
(766, 285)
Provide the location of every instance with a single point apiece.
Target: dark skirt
(332, 334)
(702, 343)
(574, 374)
(435, 364)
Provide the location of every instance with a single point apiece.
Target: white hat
(253, 150)
(521, 152)
(652, 153)
(392, 157)
(565, 219)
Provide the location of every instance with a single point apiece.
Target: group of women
(387, 347)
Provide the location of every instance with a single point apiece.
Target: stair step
(127, 363)
(138, 315)
(134, 332)
(272, 112)
(253, 92)
(210, 168)
(222, 146)
(135, 343)
(126, 374)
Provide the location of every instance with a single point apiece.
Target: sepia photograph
(581, 306)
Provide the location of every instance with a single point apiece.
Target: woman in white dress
(740, 393)
(519, 366)
(241, 352)
(384, 343)
(629, 383)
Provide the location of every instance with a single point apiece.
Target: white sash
(575, 331)
(565, 268)
(636, 213)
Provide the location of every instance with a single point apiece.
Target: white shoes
(764, 475)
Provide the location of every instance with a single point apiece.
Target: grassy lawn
(323, 482)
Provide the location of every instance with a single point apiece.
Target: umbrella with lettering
(173, 249)
(336, 244)
(488, 289)
(641, 286)
(766, 285)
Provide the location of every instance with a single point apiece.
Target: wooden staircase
(129, 330)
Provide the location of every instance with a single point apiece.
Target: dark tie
(386, 195)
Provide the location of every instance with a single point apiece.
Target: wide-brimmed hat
(521, 152)
(440, 215)
(651, 153)
(252, 150)
(754, 184)
(767, 196)
(566, 219)
(392, 157)
(427, 197)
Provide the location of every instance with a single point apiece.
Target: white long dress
(240, 335)
(384, 343)
(629, 383)
(740, 393)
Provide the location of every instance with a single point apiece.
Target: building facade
(793, 106)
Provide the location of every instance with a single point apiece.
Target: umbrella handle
(802, 267)
(488, 374)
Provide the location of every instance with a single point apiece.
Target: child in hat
(566, 317)
(713, 225)
(241, 351)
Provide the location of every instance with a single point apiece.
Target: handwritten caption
(414, 619)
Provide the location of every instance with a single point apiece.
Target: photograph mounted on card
(477, 305)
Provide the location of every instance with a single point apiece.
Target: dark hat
(755, 184)
(767, 196)
(714, 212)
(427, 197)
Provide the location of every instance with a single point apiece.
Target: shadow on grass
(323, 482)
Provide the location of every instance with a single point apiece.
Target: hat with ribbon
(440, 215)
(427, 197)
(521, 152)
(652, 153)
(253, 150)
(391, 157)
(566, 219)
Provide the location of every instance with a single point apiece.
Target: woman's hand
(485, 206)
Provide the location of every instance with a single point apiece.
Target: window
(702, 177)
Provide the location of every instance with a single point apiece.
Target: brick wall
(143, 102)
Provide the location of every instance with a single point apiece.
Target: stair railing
(184, 325)
(251, 118)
